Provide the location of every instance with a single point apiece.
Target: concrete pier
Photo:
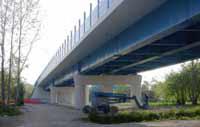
(78, 95)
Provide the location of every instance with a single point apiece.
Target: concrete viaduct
(115, 41)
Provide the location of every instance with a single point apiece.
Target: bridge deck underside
(168, 35)
(178, 47)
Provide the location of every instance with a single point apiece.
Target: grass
(10, 111)
(189, 113)
(161, 104)
(166, 104)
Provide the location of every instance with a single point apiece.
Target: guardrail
(73, 39)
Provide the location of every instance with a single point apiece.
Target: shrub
(141, 115)
(197, 111)
(9, 111)
(152, 116)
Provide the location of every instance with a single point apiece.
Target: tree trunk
(2, 68)
(194, 100)
(11, 54)
(2, 77)
(18, 70)
(3, 33)
(19, 56)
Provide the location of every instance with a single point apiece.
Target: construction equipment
(102, 102)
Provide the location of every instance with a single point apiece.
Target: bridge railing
(74, 37)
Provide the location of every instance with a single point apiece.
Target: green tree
(146, 90)
(28, 90)
(191, 79)
(181, 86)
(159, 90)
(176, 87)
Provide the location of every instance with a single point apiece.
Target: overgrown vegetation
(150, 115)
(10, 111)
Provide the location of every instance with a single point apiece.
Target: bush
(197, 112)
(9, 111)
(152, 116)
(171, 114)
(139, 116)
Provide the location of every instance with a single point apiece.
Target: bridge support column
(53, 95)
(106, 81)
(80, 95)
(62, 96)
(135, 88)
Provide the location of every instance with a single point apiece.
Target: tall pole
(79, 29)
(108, 3)
(75, 34)
(84, 18)
(98, 8)
(90, 14)
(71, 37)
(68, 45)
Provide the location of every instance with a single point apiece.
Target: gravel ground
(57, 116)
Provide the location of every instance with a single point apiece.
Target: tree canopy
(179, 87)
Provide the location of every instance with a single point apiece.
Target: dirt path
(57, 116)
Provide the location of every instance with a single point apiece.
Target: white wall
(62, 96)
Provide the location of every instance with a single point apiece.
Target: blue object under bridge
(131, 36)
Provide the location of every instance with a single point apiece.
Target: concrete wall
(40, 93)
(62, 96)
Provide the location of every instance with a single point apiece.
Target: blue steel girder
(153, 50)
(179, 19)
(117, 63)
(168, 60)
(171, 52)
(160, 50)
(68, 81)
